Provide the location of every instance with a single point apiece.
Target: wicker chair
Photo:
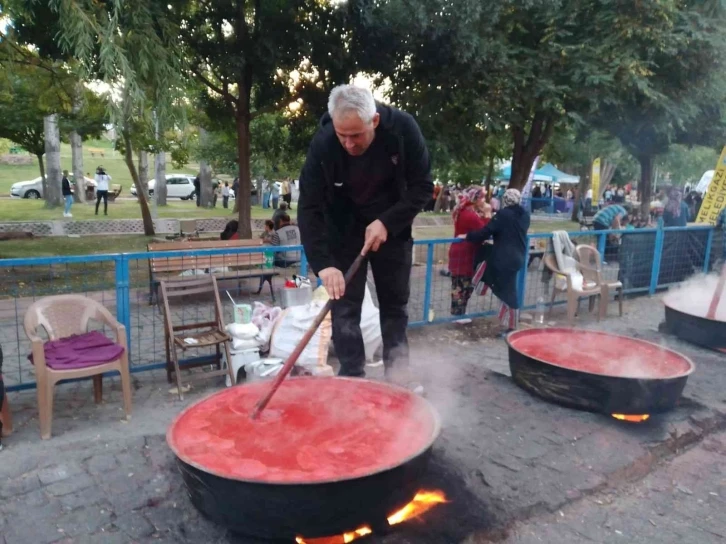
(63, 316)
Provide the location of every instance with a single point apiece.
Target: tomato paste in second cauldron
(314, 430)
(600, 353)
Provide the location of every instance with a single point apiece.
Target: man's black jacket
(324, 214)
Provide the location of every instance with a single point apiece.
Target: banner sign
(715, 198)
(595, 177)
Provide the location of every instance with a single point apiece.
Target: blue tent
(539, 175)
(557, 175)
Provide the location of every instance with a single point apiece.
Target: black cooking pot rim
(436, 420)
(512, 335)
(670, 306)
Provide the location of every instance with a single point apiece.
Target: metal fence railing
(645, 260)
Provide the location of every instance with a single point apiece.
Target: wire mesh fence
(643, 260)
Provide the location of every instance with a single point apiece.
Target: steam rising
(694, 296)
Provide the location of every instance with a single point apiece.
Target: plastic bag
(243, 331)
(289, 329)
(264, 317)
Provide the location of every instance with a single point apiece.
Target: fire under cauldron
(597, 371)
(327, 456)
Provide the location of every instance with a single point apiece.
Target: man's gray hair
(351, 99)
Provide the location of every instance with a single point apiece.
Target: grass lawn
(112, 161)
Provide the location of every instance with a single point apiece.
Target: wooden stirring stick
(295, 355)
(717, 295)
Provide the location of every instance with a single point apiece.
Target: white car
(177, 186)
(34, 187)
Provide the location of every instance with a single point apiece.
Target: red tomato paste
(314, 430)
(600, 353)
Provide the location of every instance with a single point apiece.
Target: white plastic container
(240, 359)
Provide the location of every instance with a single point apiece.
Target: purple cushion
(80, 351)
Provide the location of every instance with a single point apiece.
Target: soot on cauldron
(686, 309)
(599, 372)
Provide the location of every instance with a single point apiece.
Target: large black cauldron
(327, 456)
(597, 371)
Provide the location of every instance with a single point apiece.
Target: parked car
(177, 186)
(34, 187)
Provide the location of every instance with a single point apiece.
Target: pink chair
(72, 351)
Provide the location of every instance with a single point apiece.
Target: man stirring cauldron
(366, 177)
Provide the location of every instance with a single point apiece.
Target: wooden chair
(6, 416)
(588, 289)
(589, 257)
(63, 316)
(203, 334)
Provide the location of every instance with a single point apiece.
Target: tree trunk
(77, 149)
(144, 169)
(440, 201)
(581, 191)
(525, 151)
(140, 190)
(606, 176)
(52, 151)
(245, 183)
(41, 165)
(206, 189)
(646, 183)
(77, 166)
(160, 177)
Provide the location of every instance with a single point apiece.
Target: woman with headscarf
(675, 213)
(508, 229)
(471, 213)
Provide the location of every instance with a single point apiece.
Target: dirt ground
(514, 468)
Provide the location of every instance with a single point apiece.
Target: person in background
(274, 194)
(471, 213)
(215, 194)
(235, 185)
(508, 229)
(67, 194)
(675, 213)
(231, 231)
(198, 190)
(609, 217)
(268, 234)
(278, 213)
(286, 193)
(608, 196)
(225, 195)
(619, 197)
(570, 195)
(102, 179)
(286, 234)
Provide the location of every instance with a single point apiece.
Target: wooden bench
(114, 192)
(238, 266)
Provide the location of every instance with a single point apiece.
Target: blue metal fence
(645, 260)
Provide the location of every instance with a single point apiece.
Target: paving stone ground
(509, 462)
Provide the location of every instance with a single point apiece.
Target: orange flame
(632, 419)
(421, 503)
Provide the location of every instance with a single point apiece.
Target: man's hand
(334, 282)
(376, 234)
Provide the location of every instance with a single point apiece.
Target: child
(269, 232)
